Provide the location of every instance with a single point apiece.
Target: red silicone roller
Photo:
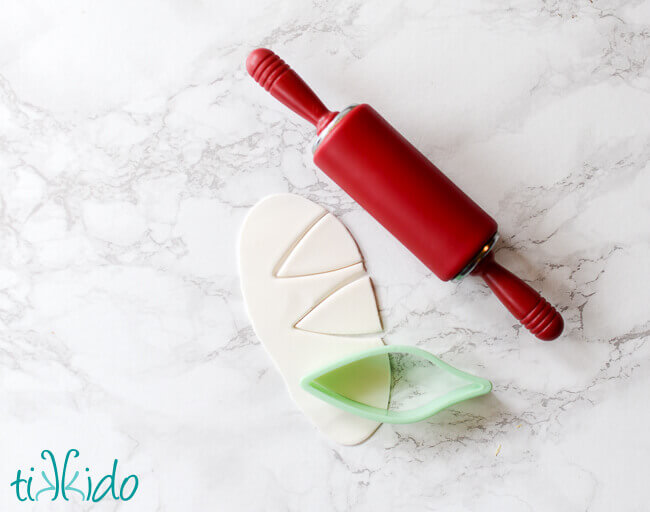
(405, 192)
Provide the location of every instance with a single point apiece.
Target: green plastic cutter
(319, 384)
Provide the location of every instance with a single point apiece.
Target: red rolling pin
(405, 192)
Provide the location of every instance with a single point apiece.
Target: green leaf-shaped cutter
(476, 386)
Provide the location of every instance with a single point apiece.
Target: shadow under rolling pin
(405, 192)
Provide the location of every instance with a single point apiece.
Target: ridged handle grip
(284, 84)
(528, 306)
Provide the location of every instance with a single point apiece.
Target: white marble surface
(132, 143)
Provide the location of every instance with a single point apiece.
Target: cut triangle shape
(325, 247)
(329, 384)
(350, 310)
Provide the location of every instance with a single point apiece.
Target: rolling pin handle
(284, 84)
(528, 306)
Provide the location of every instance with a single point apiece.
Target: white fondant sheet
(311, 303)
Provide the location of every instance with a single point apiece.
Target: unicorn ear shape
(330, 383)
(351, 310)
(325, 247)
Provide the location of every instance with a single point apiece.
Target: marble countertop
(132, 144)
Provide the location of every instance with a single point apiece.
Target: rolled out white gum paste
(311, 303)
